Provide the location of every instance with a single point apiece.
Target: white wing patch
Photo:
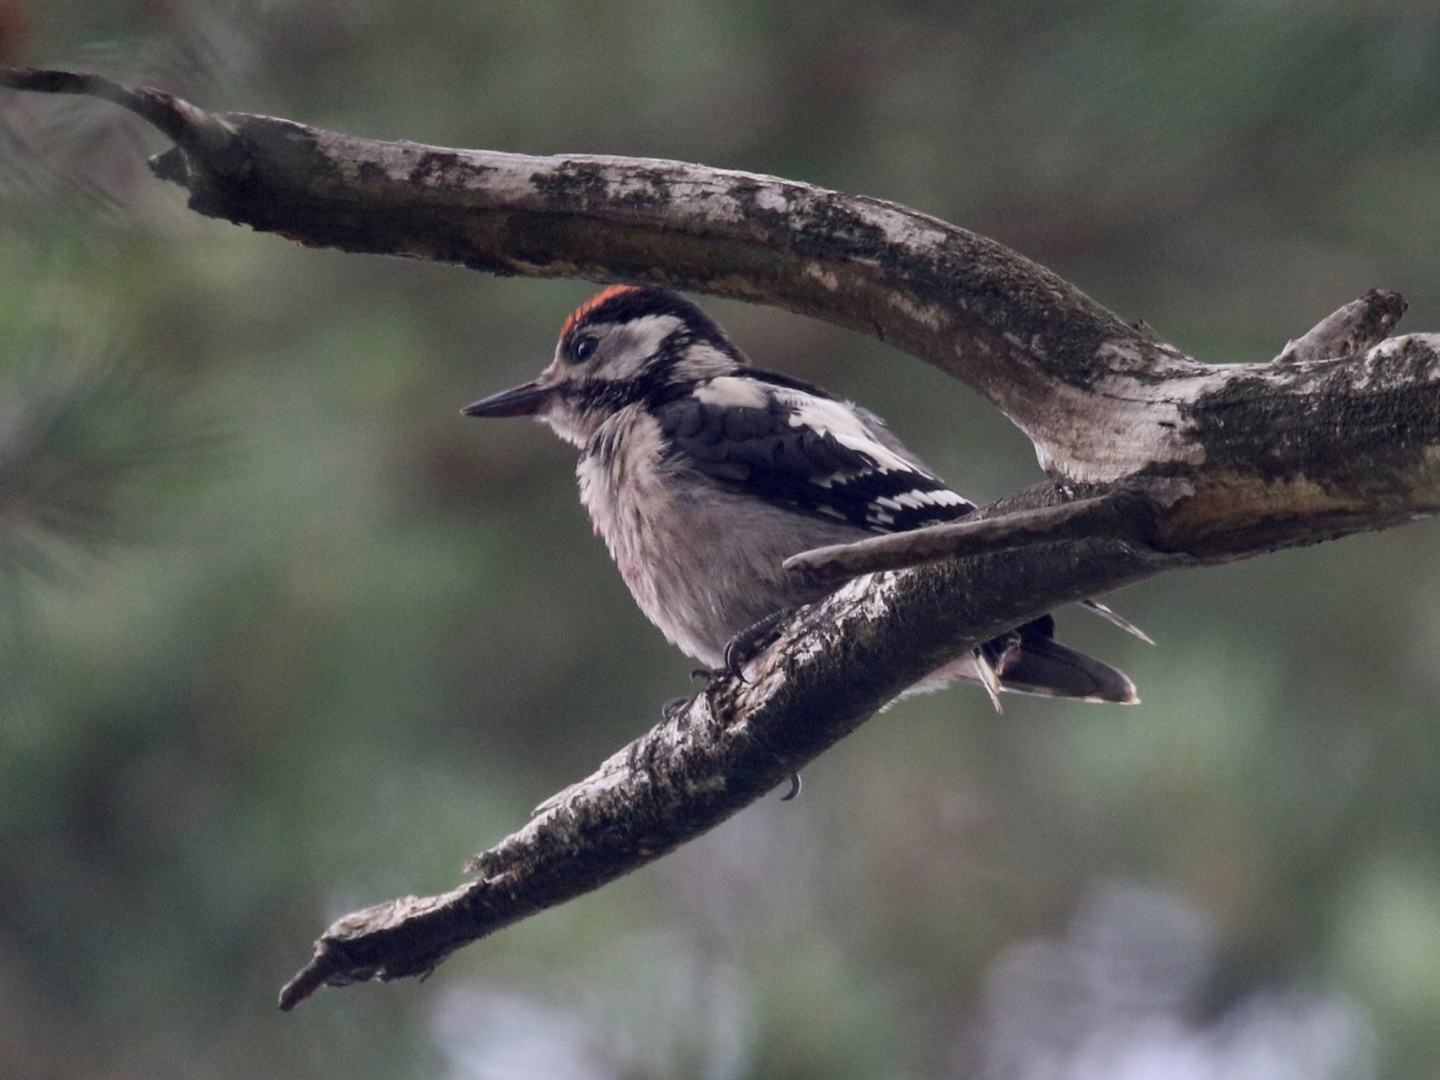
(834, 419)
(732, 392)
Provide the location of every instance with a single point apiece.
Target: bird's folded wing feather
(785, 442)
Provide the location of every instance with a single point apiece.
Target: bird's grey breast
(702, 560)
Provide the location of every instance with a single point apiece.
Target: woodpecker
(703, 474)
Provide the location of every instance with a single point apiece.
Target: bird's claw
(794, 788)
(752, 641)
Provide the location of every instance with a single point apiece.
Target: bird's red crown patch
(595, 301)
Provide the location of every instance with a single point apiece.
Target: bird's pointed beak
(524, 400)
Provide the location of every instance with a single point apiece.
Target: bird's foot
(753, 640)
(674, 707)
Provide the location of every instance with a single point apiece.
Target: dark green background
(283, 634)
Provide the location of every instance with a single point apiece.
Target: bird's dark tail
(1028, 660)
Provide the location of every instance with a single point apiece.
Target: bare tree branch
(1099, 516)
(963, 302)
(1159, 461)
(837, 664)
(1356, 327)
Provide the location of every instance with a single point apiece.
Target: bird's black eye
(583, 348)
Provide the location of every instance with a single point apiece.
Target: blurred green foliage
(283, 634)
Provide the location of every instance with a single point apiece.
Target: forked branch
(1158, 461)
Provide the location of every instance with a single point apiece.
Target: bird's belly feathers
(702, 562)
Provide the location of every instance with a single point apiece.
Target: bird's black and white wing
(795, 446)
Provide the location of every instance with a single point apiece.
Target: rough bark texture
(834, 667)
(1159, 461)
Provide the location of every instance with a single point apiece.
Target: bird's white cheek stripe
(700, 360)
(628, 347)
